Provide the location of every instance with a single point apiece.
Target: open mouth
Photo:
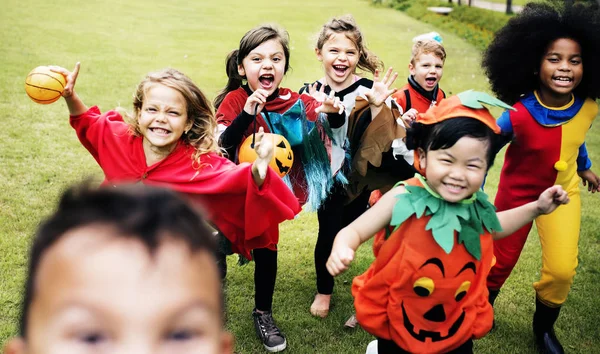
(431, 81)
(160, 131)
(562, 80)
(434, 336)
(340, 70)
(453, 188)
(266, 81)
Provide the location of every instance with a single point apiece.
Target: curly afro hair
(512, 60)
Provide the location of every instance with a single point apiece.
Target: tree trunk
(459, 3)
(470, 1)
(509, 10)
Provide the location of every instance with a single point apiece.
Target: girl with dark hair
(544, 61)
(425, 292)
(252, 97)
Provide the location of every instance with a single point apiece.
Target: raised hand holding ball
(44, 86)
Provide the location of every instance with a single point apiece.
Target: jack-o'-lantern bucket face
(283, 157)
(432, 302)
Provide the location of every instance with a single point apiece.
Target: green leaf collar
(468, 218)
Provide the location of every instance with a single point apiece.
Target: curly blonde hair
(202, 135)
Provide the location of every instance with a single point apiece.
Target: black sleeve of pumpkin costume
(233, 135)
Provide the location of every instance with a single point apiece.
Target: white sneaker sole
(276, 348)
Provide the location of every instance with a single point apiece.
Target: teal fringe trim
(315, 160)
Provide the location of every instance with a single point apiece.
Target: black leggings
(265, 274)
(385, 346)
(333, 216)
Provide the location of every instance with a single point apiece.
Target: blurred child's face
(427, 70)
(98, 293)
(264, 66)
(456, 173)
(163, 118)
(561, 70)
(340, 57)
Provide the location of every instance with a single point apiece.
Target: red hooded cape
(246, 215)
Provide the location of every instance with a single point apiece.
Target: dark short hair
(135, 211)
(445, 134)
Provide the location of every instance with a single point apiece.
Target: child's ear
(422, 158)
(411, 69)
(318, 53)
(15, 346)
(241, 70)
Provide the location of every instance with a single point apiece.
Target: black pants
(265, 274)
(385, 346)
(333, 216)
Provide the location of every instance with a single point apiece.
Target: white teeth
(562, 79)
(160, 130)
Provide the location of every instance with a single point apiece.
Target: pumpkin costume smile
(434, 336)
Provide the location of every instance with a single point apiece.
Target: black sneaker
(267, 331)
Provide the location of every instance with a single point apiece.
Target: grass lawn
(119, 42)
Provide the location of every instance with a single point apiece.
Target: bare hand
(589, 178)
(551, 198)
(340, 259)
(332, 104)
(258, 99)
(381, 88)
(409, 117)
(264, 150)
(70, 77)
(319, 95)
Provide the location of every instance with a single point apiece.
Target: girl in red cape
(426, 290)
(170, 142)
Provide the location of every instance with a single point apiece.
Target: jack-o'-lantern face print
(433, 289)
(433, 303)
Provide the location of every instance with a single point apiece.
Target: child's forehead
(421, 55)
(92, 261)
(98, 248)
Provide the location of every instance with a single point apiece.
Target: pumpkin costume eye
(462, 290)
(423, 286)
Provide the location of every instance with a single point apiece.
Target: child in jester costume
(426, 290)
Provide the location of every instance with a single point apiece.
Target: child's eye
(150, 109)
(474, 167)
(333, 50)
(181, 335)
(256, 60)
(553, 60)
(92, 338)
(575, 62)
(276, 59)
(174, 113)
(351, 53)
(439, 66)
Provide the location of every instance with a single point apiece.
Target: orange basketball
(283, 157)
(44, 86)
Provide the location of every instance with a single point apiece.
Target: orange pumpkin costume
(426, 290)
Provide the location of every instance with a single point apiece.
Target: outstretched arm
(513, 219)
(360, 230)
(75, 104)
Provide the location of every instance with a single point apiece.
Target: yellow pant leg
(559, 237)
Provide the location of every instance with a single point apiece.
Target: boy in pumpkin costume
(426, 290)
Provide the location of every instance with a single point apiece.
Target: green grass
(119, 42)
